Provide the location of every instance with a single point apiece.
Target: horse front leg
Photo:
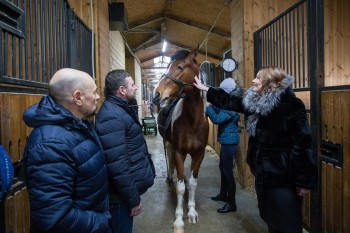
(179, 212)
(192, 186)
(192, 213)
(180, 191)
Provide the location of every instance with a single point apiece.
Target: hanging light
(164, 46)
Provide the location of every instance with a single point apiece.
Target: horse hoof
(179, 230)
(192, 220)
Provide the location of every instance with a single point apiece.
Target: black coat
(279, 151)
(130, 167)
(279, 148)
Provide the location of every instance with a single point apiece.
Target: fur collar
(262, 105)
(238, 91)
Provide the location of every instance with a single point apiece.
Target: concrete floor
(159, 202)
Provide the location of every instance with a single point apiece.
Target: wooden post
(315, 33)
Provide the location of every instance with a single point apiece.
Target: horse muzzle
(156, 98)
(162, 103)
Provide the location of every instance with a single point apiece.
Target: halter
(177, 81)
(182, 83)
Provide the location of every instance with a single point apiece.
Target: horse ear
(197, 49)
(193, 54)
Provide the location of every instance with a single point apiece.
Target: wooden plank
(10, 214)
(324, 193)
(14, 132)
(306, 210)
(345, 112)
(18, 211)
(338, 104)
(15, 120)
(329, 197)
(338, 200)
(25, 210)
(327, 116)
(5, 125)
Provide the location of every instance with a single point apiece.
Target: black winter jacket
(279, 149)
(130, 167)
(65, 172)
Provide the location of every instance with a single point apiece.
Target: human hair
(114, 80)
(271, 78)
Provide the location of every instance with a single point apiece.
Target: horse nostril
(156, 98)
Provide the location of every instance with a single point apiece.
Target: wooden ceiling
(184, 24)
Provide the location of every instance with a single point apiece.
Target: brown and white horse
(184, 127)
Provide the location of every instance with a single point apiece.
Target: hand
(302, 191)
(136, 210)
(200, 85)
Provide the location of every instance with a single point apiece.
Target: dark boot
(231, 203)
(222, 196)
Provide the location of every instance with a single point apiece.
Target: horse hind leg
(179, 223)
(192, 213)
(169, 162)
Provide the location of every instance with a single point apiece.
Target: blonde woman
(279, 149)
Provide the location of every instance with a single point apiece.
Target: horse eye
(180, 68)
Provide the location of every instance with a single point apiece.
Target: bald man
(63, 160)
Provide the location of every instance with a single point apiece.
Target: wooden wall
(337, 40)
(117, 50)
(336, 116)
(99, 18)
(14, 134)
(13, 131)
(133, 67)
(247, 17)
(335, 179)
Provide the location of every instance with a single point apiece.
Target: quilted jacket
(130, 167)
(65, 172)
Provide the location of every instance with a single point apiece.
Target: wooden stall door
(336, 170)
(13, 134)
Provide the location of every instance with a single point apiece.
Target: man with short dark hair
(130, 167)
(64, 163)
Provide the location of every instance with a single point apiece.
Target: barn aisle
(159, 202)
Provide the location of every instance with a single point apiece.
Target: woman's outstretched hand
(200, 85)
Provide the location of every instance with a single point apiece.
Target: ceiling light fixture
(164, 46)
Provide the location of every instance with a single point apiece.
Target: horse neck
(193, 107)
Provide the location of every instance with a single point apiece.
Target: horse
(184, 126)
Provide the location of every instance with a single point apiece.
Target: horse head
(177, 81)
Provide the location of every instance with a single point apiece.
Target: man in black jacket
(130, 167)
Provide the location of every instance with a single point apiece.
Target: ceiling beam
(146, 45)
(160, 17)
(200, 52)
(181, 46)
(147, 40)
(157, 55)
(200, 26)
(145, 22)
(145, 30)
